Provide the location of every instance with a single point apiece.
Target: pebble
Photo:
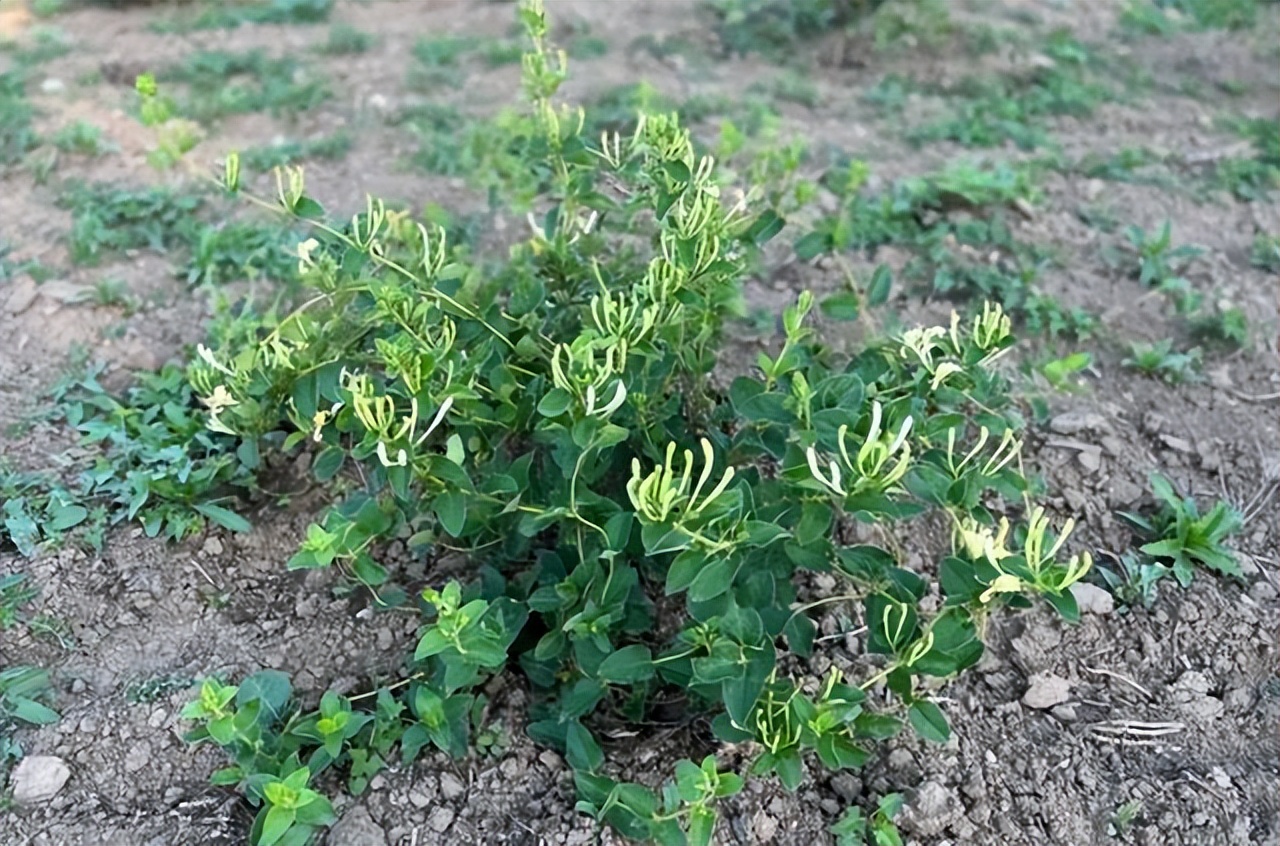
(1074, 422)
(1046, 690)
(38, 779)
(765, 827)
(451, 787)
(1092, 599)
(357, 828)
(931, 811)
(212, 546)
(440, 819)
(846, 786)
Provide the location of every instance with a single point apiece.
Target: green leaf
(328, 462)
(555, 402)
(702, 825)
(628, 665)
(766, 226)
(841, 306)
(712, 580)
(581, 749)
(28, 710)
(224, 517)
(878, 287)
(812, 245)
(929, 721)
(451, 511)
(275, 823)
(65, 516)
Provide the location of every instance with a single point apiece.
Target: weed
(1266, 252)
(346, 40)
(107, 219)
(439, 62)
(111, 292)
(1015, 108)
(1256, 177)
(1183, 537)
(853, 829)
(236, 251)
(17, 137)
(1058, 372)
(233, 15)
(156, 688)
(47, 44)
(284, 153)
(24, 692)
(792, 87)
(81, 137)
(150, 459)
(1160, 360)
(1125, 816)
(1133, 579)
(1222, 323)
(220, 83)
(15, 592)
(1160, 264)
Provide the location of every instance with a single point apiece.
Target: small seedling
(1125, 816)
(853, 829)
(1183, 537)
(1133, 578)
(1159, 262)
(15, 592)
(83, 138)
(346, 40)
(1161, 361)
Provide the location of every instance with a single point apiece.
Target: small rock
(212, 546)
(1123, 492)
(1177, 444)
(419, 798)
(1065, 713)
(1046, 690)
(931, 811)
(21, 296)
(357, 828)
(451, 787)
(53, 85)
(440, 819)
(765, 827)
(137, 758)
(846, 786)
(1090, 459)
(1092, 599)
(551, 760)
(1074, 422)
(38, 779)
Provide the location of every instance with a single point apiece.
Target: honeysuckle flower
(322, 417)
(401, 459)
(305, 249)
(979, 541)
(619, 397)
(831, 479)
(1007, 450)
(206, 355)
(921, 342)
(659, 494)
(219, 400)
(945, 369)
(1004, 583)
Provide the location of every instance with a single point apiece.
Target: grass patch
(82, 138)
(346, 40)
(107, 219)
(1016, 109)
(269, 156)
(220, 83)
(17, 136)
(230, 15)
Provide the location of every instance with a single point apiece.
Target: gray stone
(357, 828)
(932, 810)
(38, 779)
(440, 819)
(1046, 690)
(1074, 422)
(451, 787)
(1092, 599)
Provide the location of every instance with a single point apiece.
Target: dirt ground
(143, 619)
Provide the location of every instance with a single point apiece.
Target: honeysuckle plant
(631, 525)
